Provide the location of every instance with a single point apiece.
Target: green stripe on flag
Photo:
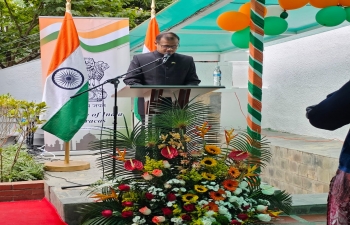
(105, 46)
(136, 109)
(70, 118)
(49, 38)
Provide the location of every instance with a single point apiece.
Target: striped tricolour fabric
(66, 77)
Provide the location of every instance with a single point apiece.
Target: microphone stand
(115, 81)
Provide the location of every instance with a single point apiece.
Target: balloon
(245, 9)
(347, 11)
(273, 10)
(233, 21)
(331, 16)
(241, 38)
(292, 4)
(323, 3)
(344, 2)
(275, 25)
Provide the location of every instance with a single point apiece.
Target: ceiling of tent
(195, 23)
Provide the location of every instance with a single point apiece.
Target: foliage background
(19, 24)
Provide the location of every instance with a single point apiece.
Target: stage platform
(294, 167)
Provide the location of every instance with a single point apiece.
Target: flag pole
(67, 165)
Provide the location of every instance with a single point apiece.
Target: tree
(19, 24)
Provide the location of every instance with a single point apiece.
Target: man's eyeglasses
(169, 46)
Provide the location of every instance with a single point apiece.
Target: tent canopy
(195, 23)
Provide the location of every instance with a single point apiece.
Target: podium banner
(106, 50)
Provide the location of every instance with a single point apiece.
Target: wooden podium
(152, 93)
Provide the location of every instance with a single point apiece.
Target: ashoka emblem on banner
(68, 78)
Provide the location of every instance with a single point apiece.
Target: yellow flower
(200, 188)
(229, 136)
(208, 176)
(103, 197)
(121, 155)
(175, 135)
(190, 198)
(202, 130)
(251, 171)
(212, 149)
(210, 162)
(234, 172)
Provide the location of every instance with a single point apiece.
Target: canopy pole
(66, 152)
(255, 71)
(153, 9)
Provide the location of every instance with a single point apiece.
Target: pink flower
(166, 164)
(127, 204)
(149, 196)
(171, 197)
(124, 187)
(167, 211)
(107, 213)
(157, 172)
(169, 152)
(158, 219)
(147, 176)
(127, 214)
(145, 211)
(242, 216)
(133, 164)
(238, 155)
(236, 222)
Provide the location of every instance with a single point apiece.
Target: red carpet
(38, 212)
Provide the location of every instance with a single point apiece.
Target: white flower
(267, 189)
(183, 189)
(243, 184)
(136, 219)
(176, 189)
(228, 193)
(223, 210)
(209, 213)
(166, 185)
(169, 204)
(261, 208)
(166, 164)
(237, 191)
(202, 202)
(233, 199)
(264, 217)
(182, 182)
(177, 220)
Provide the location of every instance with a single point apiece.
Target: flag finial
(153, 9)
(68, 6)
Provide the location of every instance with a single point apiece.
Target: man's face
(167, 46)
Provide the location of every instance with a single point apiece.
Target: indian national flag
(66, 77)
(148, 46)
(152, 32)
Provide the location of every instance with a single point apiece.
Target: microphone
(166, 57)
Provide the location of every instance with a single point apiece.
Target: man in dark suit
(331, 114)
(177, 70)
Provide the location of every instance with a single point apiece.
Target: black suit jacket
(178, 70)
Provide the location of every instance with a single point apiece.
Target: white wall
(301, 73)
(22, 81)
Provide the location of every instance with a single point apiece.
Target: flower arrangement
(181, 182)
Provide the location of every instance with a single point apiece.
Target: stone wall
(299, 172)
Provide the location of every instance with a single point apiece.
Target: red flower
(246, 207)
(189, 207)
(238, 155)
(242, 216)
(167, 211)
(186, 217)
(169, 152)
(126, 214)
(149, 196)
(171, 197)
(133, 164)
(236, 222)
(127, 204)
(124, 187)
(107, 213)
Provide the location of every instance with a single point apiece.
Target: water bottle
(217, 76)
